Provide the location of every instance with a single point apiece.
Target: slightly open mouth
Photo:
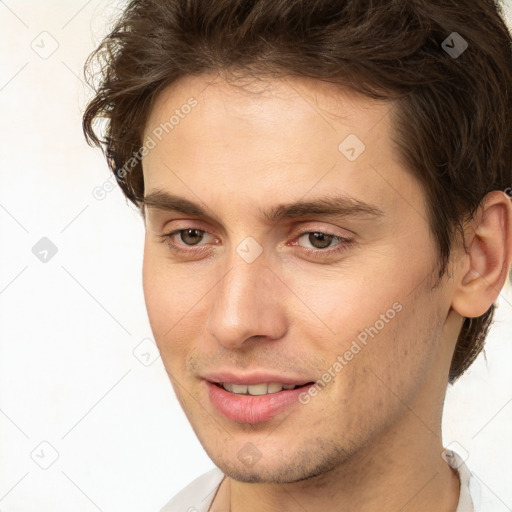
(258, 389)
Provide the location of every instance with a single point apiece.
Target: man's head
(245, 110)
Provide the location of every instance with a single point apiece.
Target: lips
(253, 398)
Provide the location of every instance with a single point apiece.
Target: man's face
(255, 299)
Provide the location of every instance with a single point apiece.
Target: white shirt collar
(456, 462)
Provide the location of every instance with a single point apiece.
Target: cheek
(378, 335)
(166, 305)
(398, 361)
(343, 305)
(175, 302)
(155, 296)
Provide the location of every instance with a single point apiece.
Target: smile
(253, 403)
(255, 389)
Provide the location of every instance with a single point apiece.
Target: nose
(246, 303)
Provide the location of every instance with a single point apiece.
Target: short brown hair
(453, 111)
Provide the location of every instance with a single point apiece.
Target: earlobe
(486, 263)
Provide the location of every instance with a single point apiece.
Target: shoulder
(198, 495)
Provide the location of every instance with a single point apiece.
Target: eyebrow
(342, 206)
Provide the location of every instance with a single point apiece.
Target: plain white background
(86, 422)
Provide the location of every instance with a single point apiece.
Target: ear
(484, 267)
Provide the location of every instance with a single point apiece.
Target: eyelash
(343, 243)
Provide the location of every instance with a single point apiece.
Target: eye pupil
(323, 238)
(192, 233)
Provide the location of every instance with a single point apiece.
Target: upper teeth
(255, 389)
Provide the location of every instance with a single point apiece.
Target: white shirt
(198, 495)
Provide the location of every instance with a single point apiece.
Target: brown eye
(320, 244)
(191, 236)
(320, 240)
(183, 240)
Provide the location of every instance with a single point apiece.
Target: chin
(302, 467)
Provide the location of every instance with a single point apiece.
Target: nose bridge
(245, 302)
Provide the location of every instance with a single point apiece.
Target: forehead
(261, 139)
(261, 102)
